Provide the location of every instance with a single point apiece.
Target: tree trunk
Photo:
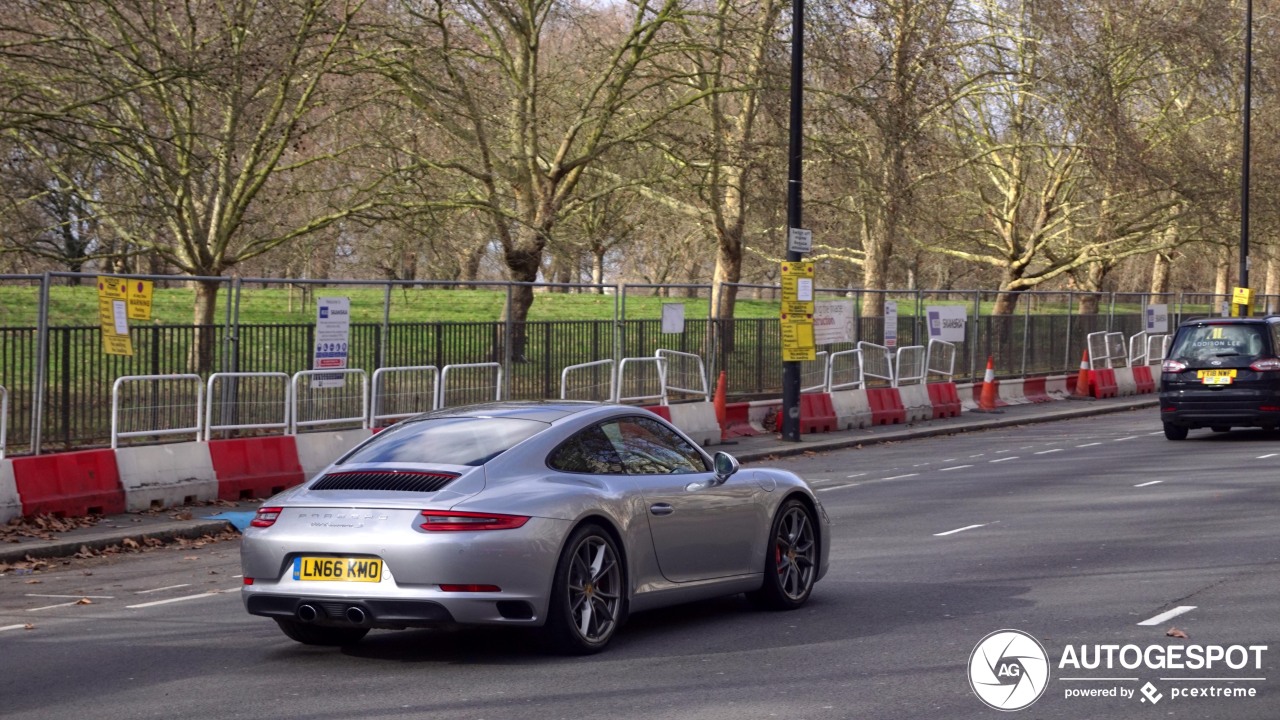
(597, 269)
(724, 293)
(1272, 287)
(1222, 275)
(1160, 274)
(201, 353)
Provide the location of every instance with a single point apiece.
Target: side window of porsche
(648, 447)
(590, 451)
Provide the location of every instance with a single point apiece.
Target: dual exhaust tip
(310, 613)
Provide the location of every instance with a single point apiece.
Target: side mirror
(725, 465)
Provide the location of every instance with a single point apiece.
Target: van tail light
(1265, 364)
(1173, 366)
(266, 516)
(455, 520)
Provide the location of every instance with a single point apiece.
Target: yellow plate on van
(337, 569)
(1216, 377)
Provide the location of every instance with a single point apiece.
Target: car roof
(1211, 320)
(548, 411)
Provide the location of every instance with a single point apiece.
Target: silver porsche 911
(560, 515)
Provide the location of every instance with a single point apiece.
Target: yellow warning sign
(140, 299)
(113, 315)
(797, 312)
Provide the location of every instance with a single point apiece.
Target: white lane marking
(11, 627)
(210, 593)
(978, 455)
(954, 467)
(91, 597)
(1158, 432)
(953, 532)
(48, 607)
(1089, 444)
(1131, 437)
(1168, 615)
(1011, 457)
(855, 475)
(1026, 447)
(1004, 451)
(1268, 455)
(899, 477)
(1046, 452)
(838, 487)
(169, 587)
(1148, 484)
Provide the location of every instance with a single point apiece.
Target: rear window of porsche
(446, 441)
(1206, 342)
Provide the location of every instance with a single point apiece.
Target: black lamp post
(790, 425)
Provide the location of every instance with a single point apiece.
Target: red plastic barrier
(737, 421)
(255, 467)
(661, 411)
(71, 484)
(1034, 390)
(945, 399)
(886, 406)
(817, 413)
(1144, 379)
(1104, 383)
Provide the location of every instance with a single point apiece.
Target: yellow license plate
(1216, 377)
(337, 569)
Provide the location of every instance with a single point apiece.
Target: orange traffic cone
(1082, 379)
(722, 413)
(987, 401)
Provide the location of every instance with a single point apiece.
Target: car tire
(588, 597)
(321, 634)
(1175, 432)
(1221, 428)
(791, 563)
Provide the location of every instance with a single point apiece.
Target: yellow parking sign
(140, 299)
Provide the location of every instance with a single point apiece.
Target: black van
(1221, 373)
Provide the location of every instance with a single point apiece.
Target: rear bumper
(1198, 411)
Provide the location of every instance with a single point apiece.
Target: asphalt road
(1074, 532)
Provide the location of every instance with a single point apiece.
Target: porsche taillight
(266, 517)
(456, 520)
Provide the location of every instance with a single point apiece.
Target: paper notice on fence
(891, 323)
(833, 322)
(333, 334)
(673, 318)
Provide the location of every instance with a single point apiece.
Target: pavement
(197, 521)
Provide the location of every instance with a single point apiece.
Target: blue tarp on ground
(240, 519)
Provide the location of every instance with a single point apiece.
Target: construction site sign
(333, 335)
(797, 312)
(113, 315)
(139, 298)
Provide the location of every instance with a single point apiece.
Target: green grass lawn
(173, 306)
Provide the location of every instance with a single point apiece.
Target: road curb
(101, 540)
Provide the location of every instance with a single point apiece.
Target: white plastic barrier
(266, 402)
(1056, 387)
(916, 402)
(853, 408)
(150, 412)
(401, 392)
(1126, 385)
(686, 373)
(1158, 348)
(591, 389)
(160, 476)
(640, 362)
(1138, 347)
(317, 450)
(476, 387)
(10, 502)
(940, 359)
(813, 373)
(319, 402)
(697, 420)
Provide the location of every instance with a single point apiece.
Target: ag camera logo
(1008, 670)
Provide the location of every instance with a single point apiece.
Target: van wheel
(1175, 432)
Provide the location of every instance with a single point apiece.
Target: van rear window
(1210, 341)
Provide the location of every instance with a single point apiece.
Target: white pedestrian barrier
(1125, 384)
(697, 420)
(317, 450)
(160, 476)
(10, 502)
(853, 409)
(916, 402)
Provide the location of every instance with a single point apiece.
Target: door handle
(661, 509)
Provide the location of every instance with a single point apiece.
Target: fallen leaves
(43, 526)
(84, 601)
(1175, 633)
